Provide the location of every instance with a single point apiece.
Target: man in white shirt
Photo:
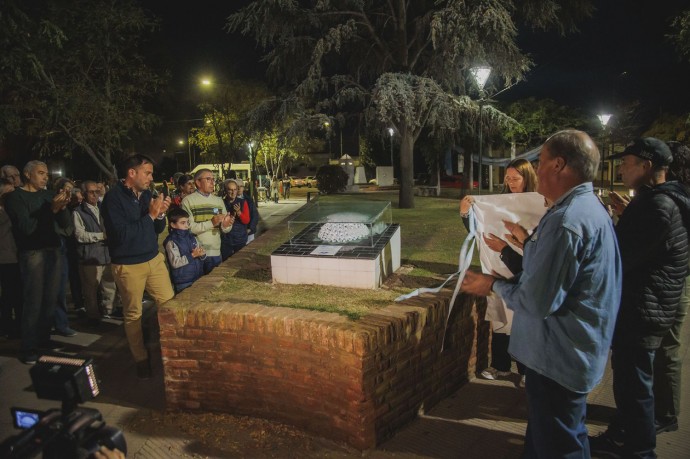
(94, 259)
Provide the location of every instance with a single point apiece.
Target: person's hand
(495, 243)
(106, 453)
(466, 204)
(165, 205)
(228, 221)
(198, 252)
(217, 219)
(618, 202)
(60, 201)
(155, 207)
(237, 209)
(477, 283)
(517, 234)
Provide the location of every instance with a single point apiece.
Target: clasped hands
(223, 220)
(159, 206)
(516, 235)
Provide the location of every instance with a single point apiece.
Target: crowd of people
(585, 286)
(102, 242)
(588, 279)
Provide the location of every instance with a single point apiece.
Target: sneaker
(144, 369)
(603, 445)
(522, 381)
(669, 426)
(29, 359)
(492, 373)
(67, 332)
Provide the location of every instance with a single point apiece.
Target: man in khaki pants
(133, 219)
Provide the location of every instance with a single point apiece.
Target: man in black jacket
(133, 220)
(653, 243)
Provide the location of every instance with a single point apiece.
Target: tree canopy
(73, 77)
(404, 63)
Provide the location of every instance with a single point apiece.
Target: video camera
(70, 432)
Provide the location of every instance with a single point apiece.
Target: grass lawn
(432, 234)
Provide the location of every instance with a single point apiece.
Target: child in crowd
(183, 250)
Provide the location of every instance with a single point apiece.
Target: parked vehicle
(310, 181)
(297, 182)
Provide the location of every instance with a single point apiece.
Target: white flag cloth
(486, 216)
(490, 211)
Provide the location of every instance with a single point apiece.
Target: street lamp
(391, 132)
(327, 125)
(252, 177)
(480, 75)
(604, 120)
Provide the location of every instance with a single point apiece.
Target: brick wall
(351, 381)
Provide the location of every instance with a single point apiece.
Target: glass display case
(348, 223)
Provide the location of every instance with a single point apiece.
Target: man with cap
(653, 241)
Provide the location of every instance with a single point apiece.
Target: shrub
(331, 179)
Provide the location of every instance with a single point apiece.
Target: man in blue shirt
(565, 300)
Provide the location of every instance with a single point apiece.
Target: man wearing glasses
(94, 259)
(207, 217)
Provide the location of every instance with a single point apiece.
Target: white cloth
(490, 211)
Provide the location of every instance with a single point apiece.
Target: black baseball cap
(649, 148)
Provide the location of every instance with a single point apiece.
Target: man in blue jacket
(565, 300)
(133, 220)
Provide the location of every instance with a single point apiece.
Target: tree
(539, 118)
(680, 35)
(226, 113)
(74, 78)
(404, 63)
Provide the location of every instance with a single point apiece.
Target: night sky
(620, 54)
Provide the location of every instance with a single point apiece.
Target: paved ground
(482, 419)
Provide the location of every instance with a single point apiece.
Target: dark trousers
(668, 364)
(633, 377)
(11, 300)
(210, 263)
(40, 271)
(556, 420)
(500, 358)
(61, 321)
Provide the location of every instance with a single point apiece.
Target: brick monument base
(350, 381)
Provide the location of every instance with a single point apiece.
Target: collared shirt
(80, 232)
(567, 297)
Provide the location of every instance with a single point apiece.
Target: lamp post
(252, 177)
(480, 74)
(390, 133)
(604, 120)
(327, 125)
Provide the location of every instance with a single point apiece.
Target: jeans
(11, 300)
(41, 271)
(668, 364)
(633, 422)
(210, 263)
(61, 320)
(555, 421)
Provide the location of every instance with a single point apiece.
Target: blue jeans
(210, 263)
(61, 320)
(40, 271)
(555, 421)
(633, 379)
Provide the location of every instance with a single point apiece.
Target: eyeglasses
(92, 191)
(207, 178)
(512, 179)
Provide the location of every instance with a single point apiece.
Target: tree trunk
(406, 197)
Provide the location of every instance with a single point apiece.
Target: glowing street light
(391, 131)
(327, 125)
(604, 120)
(480, 75)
